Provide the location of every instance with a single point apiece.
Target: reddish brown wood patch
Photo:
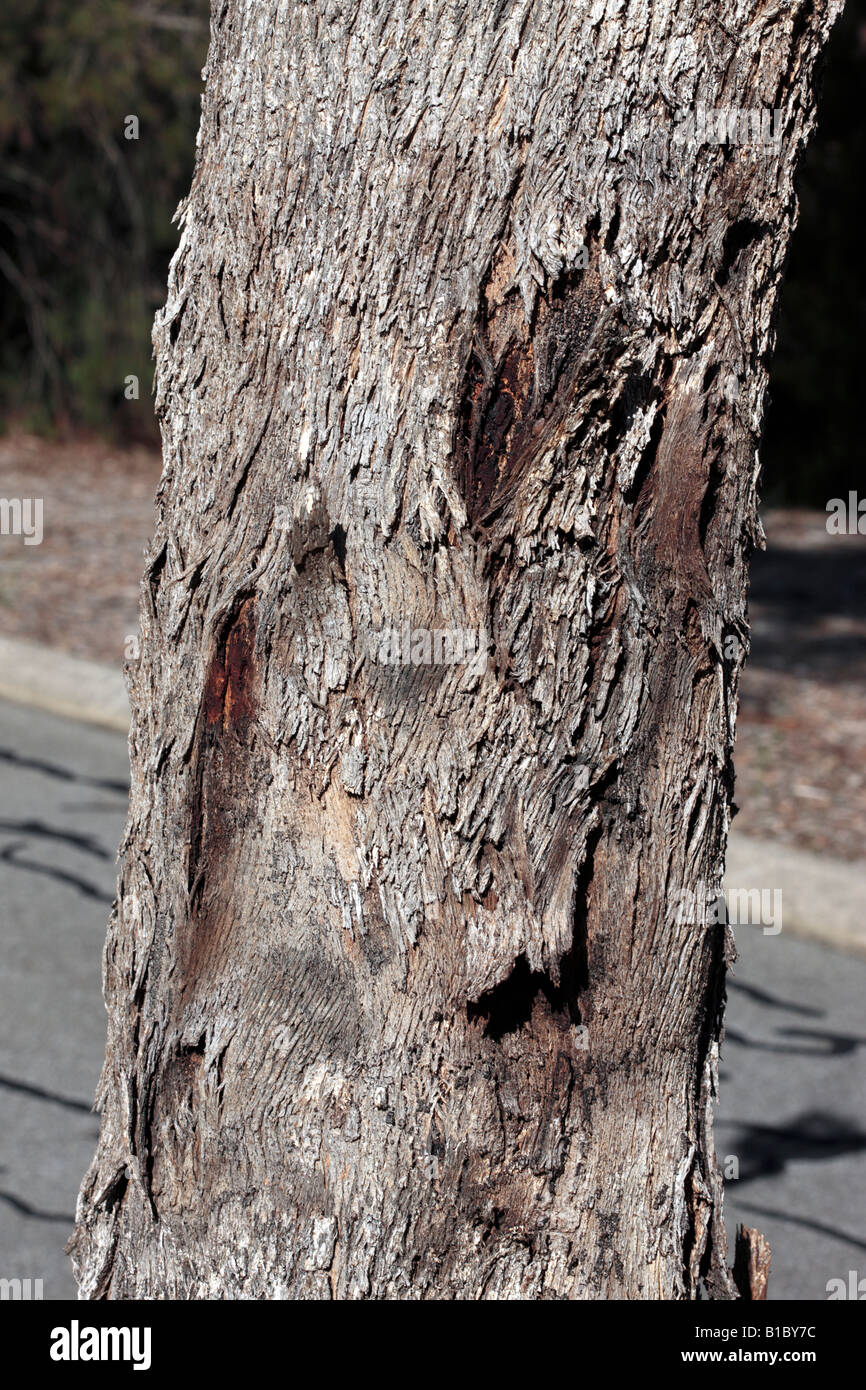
(228, 692)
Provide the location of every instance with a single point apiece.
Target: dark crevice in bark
(247, 465)
(219, 300)
(174, 326)
(710, 375)
(740, 236)
(518, 383)
(709, 505)
(640, 393)
(593, 229)
(804, 16)
(612, 232)
(493, 403)
(579, 956)
(155, 569)
(220, 1077)
(695, 1234)
(712, 1270)
(510, 1005)
(648, 456)
(227, 712)
(141, 1127)
(338, 540)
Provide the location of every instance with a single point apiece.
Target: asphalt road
(790, 1122)
(62, 806)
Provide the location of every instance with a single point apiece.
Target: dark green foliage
(85, 214)
(813, 444)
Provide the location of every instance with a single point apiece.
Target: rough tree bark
(467, 329)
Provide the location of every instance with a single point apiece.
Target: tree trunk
(467, 333)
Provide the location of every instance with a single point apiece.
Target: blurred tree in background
(813, 438)
(86, 232)
(85, 214)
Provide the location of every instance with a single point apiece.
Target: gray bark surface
(465, 331)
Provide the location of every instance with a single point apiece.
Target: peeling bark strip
(751, 1264)
(465, 333)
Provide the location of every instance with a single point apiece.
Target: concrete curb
(52, 680)
(822, 897)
